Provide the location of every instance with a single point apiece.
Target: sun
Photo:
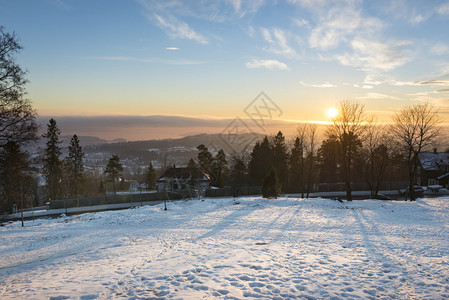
(332, 112)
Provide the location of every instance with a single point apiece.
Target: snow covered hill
(232, 249)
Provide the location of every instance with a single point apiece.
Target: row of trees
(19, 174)
(414, 129)
(66, 178)
(355, 148)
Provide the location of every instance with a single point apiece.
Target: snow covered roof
(431, 161)
(184, 174)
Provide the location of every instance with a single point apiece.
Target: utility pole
(21, 201)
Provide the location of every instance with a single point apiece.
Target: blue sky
(212, 58)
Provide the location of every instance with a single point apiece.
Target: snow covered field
(226, 248)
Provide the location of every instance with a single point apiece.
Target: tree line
(355, 148)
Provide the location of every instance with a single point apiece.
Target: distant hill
(161, 153)
(84, 141)
(229, 143)
(168, 152)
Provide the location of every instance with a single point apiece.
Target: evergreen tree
(122, 185)
(329, 158)
(238, 174)
(220, 169)
(15, 182)
(52, 164)
(261, 161)
(296, 176)
(205, 159)
(150, 177)
(66, 181)
(114, 170)
(280, 158)
(101, 189)
(270, 187)
(75, 165)
(191, 164)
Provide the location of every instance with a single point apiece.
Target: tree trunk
(347, 170)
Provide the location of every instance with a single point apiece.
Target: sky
(213, 59)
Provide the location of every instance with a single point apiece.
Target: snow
(232, 249)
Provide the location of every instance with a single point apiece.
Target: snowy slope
(226, 248)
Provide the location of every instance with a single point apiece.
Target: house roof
(184, 174)
(431, 161)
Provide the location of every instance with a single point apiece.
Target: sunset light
(332, 112)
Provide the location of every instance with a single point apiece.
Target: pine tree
(15, 182)
(52, 164)
(329, 157)
(238, 174)
(270, 187)
(191, 164)
(296, 176)
(75, 165)
(261, 161)
(150, 177)
(205, 159)
(220, 168)
(280, 158)
(101, 189)
(113, 170)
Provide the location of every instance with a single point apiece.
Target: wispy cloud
(270, 64)
(377, 96)
(443, 91)
(433, 82)
(277, 39)
(60, 4)
(302, 23)
(370, 55)
(342, 31)
(322, 85)
(443, 9)
(439, 49)
(171, 15)
(419, 18)
(178, 29)
(245, 7)
(146, 60)
(437, 82)
(335, 27)
(172, 48)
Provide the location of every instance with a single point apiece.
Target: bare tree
(348, 127)
(17, 117)
(415, 129)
